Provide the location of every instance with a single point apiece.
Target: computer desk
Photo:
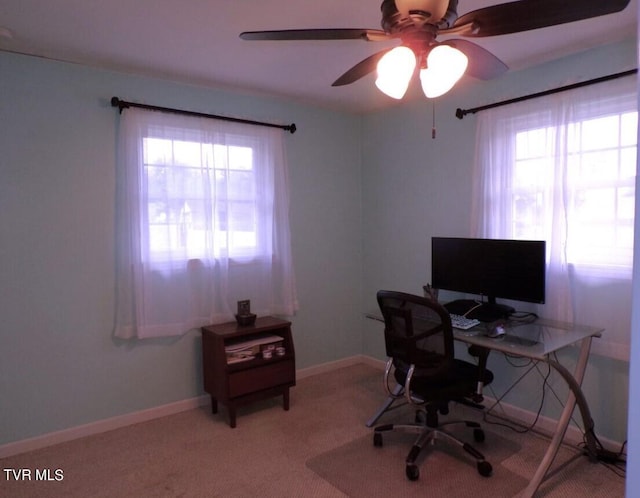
(538, 341)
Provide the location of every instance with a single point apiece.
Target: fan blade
(361, 69)
(317, 34)
(513, 17)
(483, 65)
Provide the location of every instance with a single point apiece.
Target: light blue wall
(59, 366)
(368, 192)
(415, 187)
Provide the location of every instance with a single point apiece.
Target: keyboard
(463, 323)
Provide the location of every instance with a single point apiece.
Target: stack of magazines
(249, 349)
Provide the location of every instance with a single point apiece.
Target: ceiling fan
(417, 24)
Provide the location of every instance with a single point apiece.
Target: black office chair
(419, 344)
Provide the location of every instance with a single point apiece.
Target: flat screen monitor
(490, 268)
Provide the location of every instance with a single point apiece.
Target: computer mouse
(495, 332)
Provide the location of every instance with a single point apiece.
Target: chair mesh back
(417, 331)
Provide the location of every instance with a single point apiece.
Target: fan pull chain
(433, 126)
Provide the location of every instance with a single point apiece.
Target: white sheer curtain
(562, 169)
(202, 222)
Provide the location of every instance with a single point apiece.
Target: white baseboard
(99, 426)
(49, 439)
(342, 363)
(544, 425)
(574, 435)
(547, 425)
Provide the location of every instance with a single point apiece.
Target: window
(181, 177)
(202, 223)
(562, 168)
(600, 169)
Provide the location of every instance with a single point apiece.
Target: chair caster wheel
(412, 472)
(377, 439)
(478, 435)
(485, 469)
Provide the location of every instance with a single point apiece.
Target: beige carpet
(444, 471)
(320, 448)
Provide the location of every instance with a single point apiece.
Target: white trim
(92, 428)
(545, 424)
(342, 363)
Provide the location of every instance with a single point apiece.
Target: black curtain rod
(122, 104)
(461, 113)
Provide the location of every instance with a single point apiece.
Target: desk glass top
(532, 340)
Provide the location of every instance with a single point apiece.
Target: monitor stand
(485, 312)
(460, 306)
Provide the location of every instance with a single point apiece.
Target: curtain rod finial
(292, 128)
(120, 104)
(460, 113)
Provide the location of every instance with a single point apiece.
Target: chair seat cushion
(460, 380)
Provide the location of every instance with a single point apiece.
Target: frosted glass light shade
(445, 66)
(437, 8)
(395, 69)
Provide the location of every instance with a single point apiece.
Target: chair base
(396, 393)
(427, 435)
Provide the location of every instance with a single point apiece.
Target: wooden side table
(235, 383)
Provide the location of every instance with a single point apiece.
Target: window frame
(620, 266)
(235, 254)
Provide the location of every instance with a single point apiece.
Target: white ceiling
(196, 41)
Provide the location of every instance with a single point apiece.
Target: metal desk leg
(574, 382)
(387, 404)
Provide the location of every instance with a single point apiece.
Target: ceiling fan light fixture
(395, 70)
(445, 66)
